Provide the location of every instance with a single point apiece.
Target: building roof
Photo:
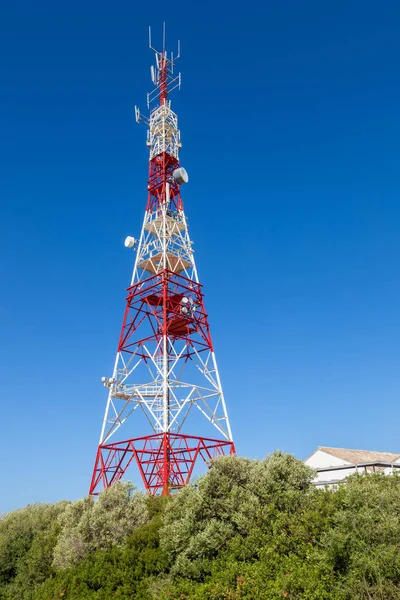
(360, 456)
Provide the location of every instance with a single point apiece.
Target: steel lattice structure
(165, 365)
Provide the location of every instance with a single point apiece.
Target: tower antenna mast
(165, 368)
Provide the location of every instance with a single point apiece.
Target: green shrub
(250, 530)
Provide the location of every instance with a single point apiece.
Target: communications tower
(165, 366)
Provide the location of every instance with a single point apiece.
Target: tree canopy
(246, 530)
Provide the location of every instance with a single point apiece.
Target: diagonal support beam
(165, 460)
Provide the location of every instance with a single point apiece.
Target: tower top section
(162, 74)
(163, 134)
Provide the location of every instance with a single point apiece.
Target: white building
(335, 464)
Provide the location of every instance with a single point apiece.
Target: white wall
(323, 459)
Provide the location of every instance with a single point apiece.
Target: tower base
(165, 460)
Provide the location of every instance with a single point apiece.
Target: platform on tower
(154, 264)
(173, 226)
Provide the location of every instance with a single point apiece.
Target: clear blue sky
(289, 113)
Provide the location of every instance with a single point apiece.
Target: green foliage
(362, 546)
(122, 572)
(237, 503)
(27, 540)
(247, 530)
(88, 525)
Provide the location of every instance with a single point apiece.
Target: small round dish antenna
(129, 242)
(180, 175)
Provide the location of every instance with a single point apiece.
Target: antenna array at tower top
(162, 75)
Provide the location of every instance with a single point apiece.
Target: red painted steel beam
(165, 460)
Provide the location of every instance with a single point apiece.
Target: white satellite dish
(180, 175)
(129, 242)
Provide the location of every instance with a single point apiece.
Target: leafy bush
(27, 541)
(248, 529)
(88, 525)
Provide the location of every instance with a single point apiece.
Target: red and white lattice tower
(165, 365)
